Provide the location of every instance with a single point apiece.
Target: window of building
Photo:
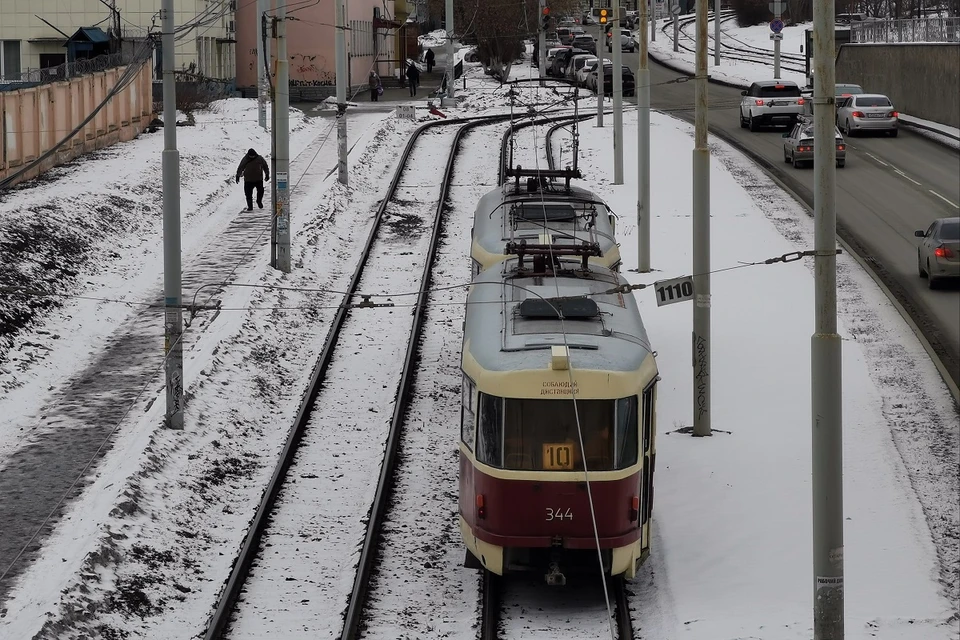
(10, 59)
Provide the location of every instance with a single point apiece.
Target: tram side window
(490, 435)
(468, 413)
(649, 458)
(627, 429)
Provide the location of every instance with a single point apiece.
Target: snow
(147, 547)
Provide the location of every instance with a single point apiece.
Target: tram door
(649, 460)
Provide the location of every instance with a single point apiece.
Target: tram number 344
(559, 514)
(673, 291)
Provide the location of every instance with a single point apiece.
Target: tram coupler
(554, 576)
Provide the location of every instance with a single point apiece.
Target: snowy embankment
(146, 550)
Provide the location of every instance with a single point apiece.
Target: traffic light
(545, 19)
(603, 16)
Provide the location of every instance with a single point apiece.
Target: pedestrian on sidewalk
(376, 87)
(254, 169)
(413, 75)
(431, 59)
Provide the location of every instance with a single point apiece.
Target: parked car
(627, 43)
(551, 56)
(471, 56)
(629, 82)
(565, 35)
(585, 42)
(576, 63)
(938, 256)
(562, 59)
(798, 145)
(847, 90)
(771, 102)
(588, 66)
(867, 112)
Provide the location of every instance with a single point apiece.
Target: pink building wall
(310, 44)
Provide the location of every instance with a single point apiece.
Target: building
(34, 33)
(311, 36)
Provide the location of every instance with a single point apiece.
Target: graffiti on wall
(310, 71)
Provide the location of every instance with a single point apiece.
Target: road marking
(877, 159)
(952, 204)
(906, 176)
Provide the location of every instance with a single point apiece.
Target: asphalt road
(889, 188)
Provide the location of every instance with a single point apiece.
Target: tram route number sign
(406, 112)
(673, 291)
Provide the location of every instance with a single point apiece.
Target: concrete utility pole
(542, 41)
(261, 69)
(676, 27)
(601, 83)
(452, 66)
(643, 146)
(716, 33)
(342, 79)
(170, 168)
(281, 182)
(653, 19)
(701, 239)
(617, 56)
(825, 367)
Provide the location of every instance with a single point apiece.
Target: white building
(33, 32)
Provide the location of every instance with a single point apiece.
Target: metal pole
(170, 172)
(716, 33)
(825, 370)
(342, 79)
(643, 144)
(617, 96)
(451, 65)
(601, 83)
(542, 45)
(776, 59)
(273, 144)
(281, 179)
(676, 32)
(653, 19)
(701, 239)
(261, 70)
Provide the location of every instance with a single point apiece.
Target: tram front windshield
(542, 435)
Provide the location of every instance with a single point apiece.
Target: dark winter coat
(413, 74)
(253, 167)
(430, 56)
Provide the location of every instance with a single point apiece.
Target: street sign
(674, 291)
(776, 25)
(406, 112)
(674, 8)
(776, 36)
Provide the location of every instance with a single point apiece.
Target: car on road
(562, 60)
(589, 65)
(938, 256)
(576, 64)
(867, 112)
(567, 34)
(798, 145)
(585, 42)
(770, 102)
(627, 43)
(629, 82)
(847, 90)
(551, 56)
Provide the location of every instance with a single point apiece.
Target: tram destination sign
(673, 291)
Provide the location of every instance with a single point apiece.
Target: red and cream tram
(527, 472)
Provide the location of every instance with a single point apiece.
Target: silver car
(938, 256)
(798, 145)
(867, 112)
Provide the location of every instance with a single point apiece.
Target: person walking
(254, 169)
(431, 60)
(413, 75)
(376, 87)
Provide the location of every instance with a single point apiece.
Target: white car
(576, 63)
(771, 102)
(867, 112)
(589, 64)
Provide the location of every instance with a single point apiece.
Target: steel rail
(561, 120)
(368, 553)
(490, 606)
(757, 54)
(624, 622)
(224, 609)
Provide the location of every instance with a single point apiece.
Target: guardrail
(911, 30)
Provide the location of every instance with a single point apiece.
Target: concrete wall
(922, 79)
(34, 120)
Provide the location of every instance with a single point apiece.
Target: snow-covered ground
(144, 553)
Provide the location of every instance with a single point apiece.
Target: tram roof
(564, 210)
(505, 334)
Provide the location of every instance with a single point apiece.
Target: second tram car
(540, 211)
(529, 379)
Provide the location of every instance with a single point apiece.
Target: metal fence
(912, 30)
(34, 77)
